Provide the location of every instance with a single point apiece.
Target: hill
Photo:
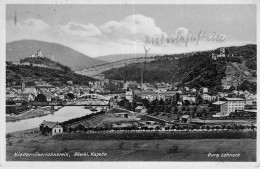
(117, 57)
(15, 74)
(96, 71)
(44, 62)
(195, 70)
(17, 50)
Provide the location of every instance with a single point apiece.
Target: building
(251, 100)
(220, 55)
(129, 95)
(234, 104)
(190, 98)
(140, 109)
(38, 54)
(204, 90)
(193, 90)
(206, 97)
(219, 106)
(185, 118)
(228, 105)
(50, 128)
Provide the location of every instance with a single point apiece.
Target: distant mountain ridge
(117, 57)
(17, 50)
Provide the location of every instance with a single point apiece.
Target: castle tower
(39, 53)
(222, 50)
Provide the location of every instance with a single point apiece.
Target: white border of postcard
(111, 164)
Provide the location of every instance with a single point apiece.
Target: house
(50, 128)
(206, 97)
(30, 90)
(250, 100)
(70, 82)
(48, 97)
(190, 98)
(27, 97)
(193, 90)
(61, 96)
(187, 89)
(129, 95)
(140, 109)
(240, 92)
(10, 96)
(247, 93)
(185, 118)
(235, 91)
(204, 90)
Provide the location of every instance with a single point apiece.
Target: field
(129, 150)
(30, 114)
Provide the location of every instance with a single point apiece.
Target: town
(151, 106)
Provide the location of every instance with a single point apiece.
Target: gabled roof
(49, 124)
(219, 102)
(139, 107)
(185, 116)
(234, 99)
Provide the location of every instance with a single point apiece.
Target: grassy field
(129, 150)
(30, 114)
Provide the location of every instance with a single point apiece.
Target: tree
(232, 88)
(178, 98)
(70, 96)
(40, 98)
(145, 102)
(186, 102)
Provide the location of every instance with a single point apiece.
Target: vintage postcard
(128, 81)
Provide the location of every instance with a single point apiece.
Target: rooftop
(49, 124)
(219, 102)
(234, 99)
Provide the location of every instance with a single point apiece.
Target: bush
(20, 141)
(121, 145)
(173, 149)
(9, 143)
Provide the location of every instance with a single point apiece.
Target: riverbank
(30, 114)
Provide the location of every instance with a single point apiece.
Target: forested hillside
(195, 70)
(15, 74)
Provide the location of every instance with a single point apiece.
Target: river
(61, 115)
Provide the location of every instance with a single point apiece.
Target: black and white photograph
(129, 81)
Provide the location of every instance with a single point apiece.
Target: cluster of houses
(225, 103)
(52, 93)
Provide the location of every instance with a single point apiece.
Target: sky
(98, 30)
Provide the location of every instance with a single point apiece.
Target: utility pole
(142, 71)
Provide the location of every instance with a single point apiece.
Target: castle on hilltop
(37, 54)
(221, 54)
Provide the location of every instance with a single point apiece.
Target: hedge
(157, 135)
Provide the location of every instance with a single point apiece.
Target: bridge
(93, 100)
